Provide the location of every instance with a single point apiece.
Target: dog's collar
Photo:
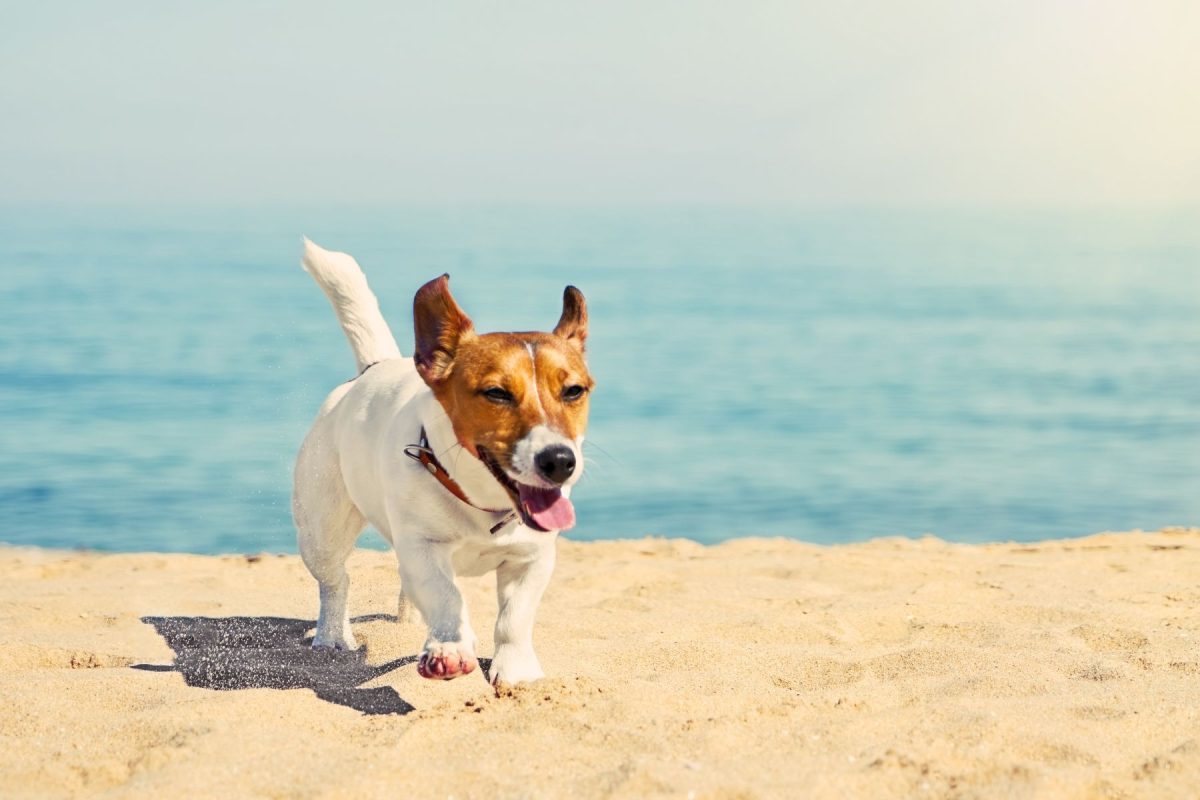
(423, 453)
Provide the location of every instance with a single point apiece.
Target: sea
(829, 375)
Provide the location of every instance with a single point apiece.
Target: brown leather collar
(423, 453)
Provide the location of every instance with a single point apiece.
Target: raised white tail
(343, 282)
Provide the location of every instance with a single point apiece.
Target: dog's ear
(572, 325)
(440, 327)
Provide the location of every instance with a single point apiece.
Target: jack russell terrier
(462, 457)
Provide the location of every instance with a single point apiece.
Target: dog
(462, 456)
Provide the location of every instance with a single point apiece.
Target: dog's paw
(335, 637)
(335, 640)
(442, 661)
(512, 665)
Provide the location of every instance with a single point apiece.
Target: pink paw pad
(445, 666)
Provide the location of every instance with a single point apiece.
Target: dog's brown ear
(440, 326)
(572, 325)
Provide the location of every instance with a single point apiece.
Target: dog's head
(518, 401)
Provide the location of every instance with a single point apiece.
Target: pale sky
(885, 103)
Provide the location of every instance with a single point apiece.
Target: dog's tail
(343, 282)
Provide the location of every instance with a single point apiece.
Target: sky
(1022, 102)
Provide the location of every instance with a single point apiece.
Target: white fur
(352, 472)
(537, 387)
(343, 282)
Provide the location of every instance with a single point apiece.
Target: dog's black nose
(556, 463)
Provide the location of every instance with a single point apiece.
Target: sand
(756, 668)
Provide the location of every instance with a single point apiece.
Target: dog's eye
(498, 395)
(573, 393)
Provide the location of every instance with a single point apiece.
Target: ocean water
(825, 375)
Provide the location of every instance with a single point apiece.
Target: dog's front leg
(427, 575)
(519, 588)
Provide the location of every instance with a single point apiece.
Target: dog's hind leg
(327, 526)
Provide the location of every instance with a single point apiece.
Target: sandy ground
(757, 668)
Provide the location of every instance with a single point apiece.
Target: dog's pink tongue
(548, 508)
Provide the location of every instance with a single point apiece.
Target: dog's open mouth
(540, 509)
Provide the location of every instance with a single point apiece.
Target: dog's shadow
(226, 653)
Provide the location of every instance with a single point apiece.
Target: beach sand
(756, 668)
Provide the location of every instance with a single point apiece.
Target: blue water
(829, 376)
